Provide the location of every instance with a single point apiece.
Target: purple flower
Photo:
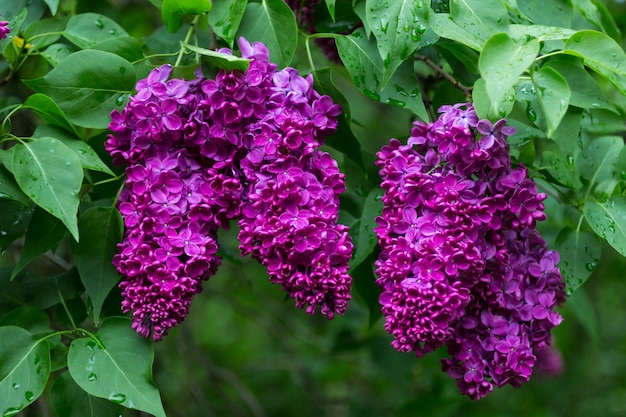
(4, 29)
(461, 263)
(201, 153)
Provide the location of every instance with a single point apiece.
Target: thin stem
(540, 57)
(439, 70)
(308, 53)
(145, 58)
(190, 32)
(67, 310)
(8, 117)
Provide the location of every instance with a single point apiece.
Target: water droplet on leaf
(117, 398)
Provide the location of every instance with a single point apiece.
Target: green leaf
(343, 139)
(542, 33)
(363, 62)
(467, 56)
(173, 11)
(364, 281)
(583, 309)
(366, 242)
(485, 109)
(330, 5)
(219, 59)
(567, 137)
(501, 63)
(101, 229)
(273, 23)
(51, 175)
(126, 47)
(87, 29)
(44, 233)
(56, 53)
(29, 289)
(46, 30)
(542, 12)
(89, 159)
(561, 169)
(580, 254)
(607, 220)
(53, 5)
(87, 86)
(553, 95)
(225, 17)
(471, 22)
(24, 369)
(47, 109)
(600, 53)
(13, 222)
(585, 90)
(31, 319)
(398, 27)
(597, 160)
(69, 400)
(9, 188)
(116, 366)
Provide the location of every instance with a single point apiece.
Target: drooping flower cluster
(461, 262)
(203, 152)
(4, 29)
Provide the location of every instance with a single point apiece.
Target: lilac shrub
(461, 262)
(201, 153)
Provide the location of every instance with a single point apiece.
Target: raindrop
(29, 396)
(530, 113)
(93, 377)
(98, 22)
(397, 103)
(590, 266)
(10, 412)
(3, 233)
(120, 100)
(122, 70)
(51, 150)
(16, 385)
(112, 31)
(67, 164)
(117, 398)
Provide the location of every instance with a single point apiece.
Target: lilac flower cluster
(201, 153)
(4, 29)
(461, 262)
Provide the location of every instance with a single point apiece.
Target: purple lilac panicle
(4, 29)
(203, 152)
(462, 264)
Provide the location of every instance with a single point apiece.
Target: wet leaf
(600, 53)
(88, 29)
(502, 62)
(69, 400)
(367, 239)
(580, 253)
(173, 11)
(273, 23)
(553, 95)
(116, 366)
(101, 229)
(87, 85)
(51, 175)
(24, 369)
(361, 58)
(607, 221)
(225, 17)
(44, 233)
(398, 27)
